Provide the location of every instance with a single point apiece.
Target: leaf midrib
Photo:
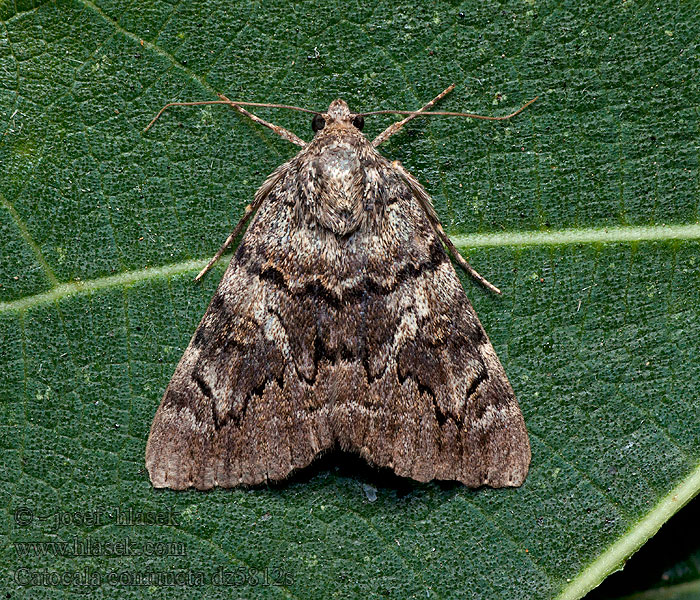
(593, 574)
(561, 237)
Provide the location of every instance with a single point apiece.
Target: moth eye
(318, 123)
(359, 122)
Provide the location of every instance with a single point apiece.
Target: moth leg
(249, 210)
(462, 261)
(425, 202)
(260, 195)
(395, 127)
(285, 134)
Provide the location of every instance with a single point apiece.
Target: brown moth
(340, 321)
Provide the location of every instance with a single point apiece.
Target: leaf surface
(583, 209)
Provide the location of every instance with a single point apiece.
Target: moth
(339, 322)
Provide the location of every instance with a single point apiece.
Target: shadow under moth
(339, 322)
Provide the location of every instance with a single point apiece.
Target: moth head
(338, 114)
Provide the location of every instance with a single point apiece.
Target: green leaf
(583, 209)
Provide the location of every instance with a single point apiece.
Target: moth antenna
(382, 137)
(281, 131)
(170, 104)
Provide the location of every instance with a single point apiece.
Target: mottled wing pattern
(426, 394)
(339, 327)
(236, 410)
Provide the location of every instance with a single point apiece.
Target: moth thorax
(338, 203)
